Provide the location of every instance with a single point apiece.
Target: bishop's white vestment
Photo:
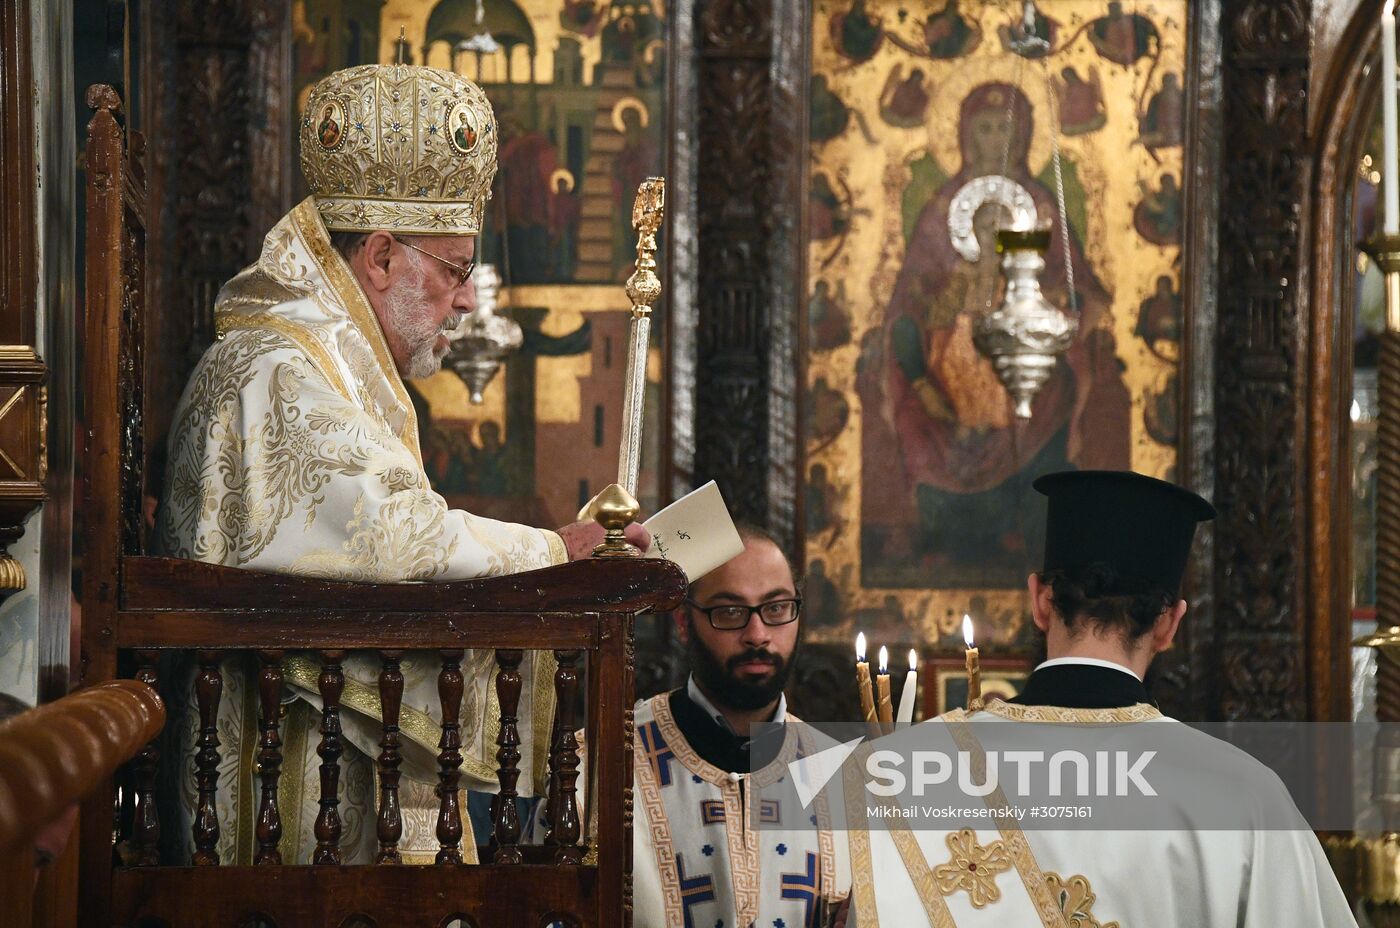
(1000, 875)
(705, 853)
(294, 449)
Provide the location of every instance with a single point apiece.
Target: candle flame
(913, 660)
(860, 646)
(884, 659)
(967, 629)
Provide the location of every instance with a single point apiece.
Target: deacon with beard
(295, 449)
(704, 853)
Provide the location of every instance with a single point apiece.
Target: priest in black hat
(1109, 596)
(1108, 600)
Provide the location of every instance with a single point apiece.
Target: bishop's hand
(580, 538)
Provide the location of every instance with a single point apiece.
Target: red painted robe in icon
(527, 160)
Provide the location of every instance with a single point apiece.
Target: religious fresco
(579, 91)
(928, 126)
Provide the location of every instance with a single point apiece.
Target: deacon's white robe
(1260, 878)
(294, 449)
(700, 860)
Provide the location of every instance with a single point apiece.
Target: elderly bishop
(294, 447)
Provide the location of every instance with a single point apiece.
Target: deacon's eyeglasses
(463, 273)
(731, 618)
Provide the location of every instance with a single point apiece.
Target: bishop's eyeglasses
(462, 275)
(731, 617)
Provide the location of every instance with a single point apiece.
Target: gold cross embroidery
(1076, 899)
(973, 868)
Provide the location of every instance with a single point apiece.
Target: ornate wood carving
(209, 688)
(217, 75)
(331, 683)
(449, 823)
(22, 394)
(1264, 152)
(389, 826)
(214, 175)
(269, 827)
(507, 819)
(734, 168)
(564, 761)
(131, 384)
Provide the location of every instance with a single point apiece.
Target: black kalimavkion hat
(1140, 527)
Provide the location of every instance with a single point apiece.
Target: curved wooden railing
(52, 756)
(55, 755)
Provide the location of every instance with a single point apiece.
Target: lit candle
(882, 686)
(867, 697)
(1391, 164)
(911, 688)
(974, 670)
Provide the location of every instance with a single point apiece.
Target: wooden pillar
(733, 42)
(1260, 634)
(23, 396)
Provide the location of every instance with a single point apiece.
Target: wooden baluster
(390, 824)
(507, 818)
(331, 683)
(145, 825)
(563, 760)
(269, 767)
(449, 824)
(209, 687)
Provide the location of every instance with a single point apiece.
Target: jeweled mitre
(402, 148)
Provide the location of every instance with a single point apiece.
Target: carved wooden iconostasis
(918, 502)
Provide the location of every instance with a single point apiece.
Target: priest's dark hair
(1099, 595)
(748, 532)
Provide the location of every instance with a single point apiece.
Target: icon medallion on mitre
(330, 126)
(462, 125)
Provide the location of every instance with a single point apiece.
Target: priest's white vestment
(294, 449)
(701, 856)
(1000, 875)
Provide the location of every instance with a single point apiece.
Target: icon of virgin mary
(953, 493)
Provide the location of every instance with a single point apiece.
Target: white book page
(695, 532)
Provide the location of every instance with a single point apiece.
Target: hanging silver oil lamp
(1026, 333)
(484, 339)
(1024, 336)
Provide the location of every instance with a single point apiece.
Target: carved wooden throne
(135, 607)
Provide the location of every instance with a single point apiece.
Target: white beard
(406, 305)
